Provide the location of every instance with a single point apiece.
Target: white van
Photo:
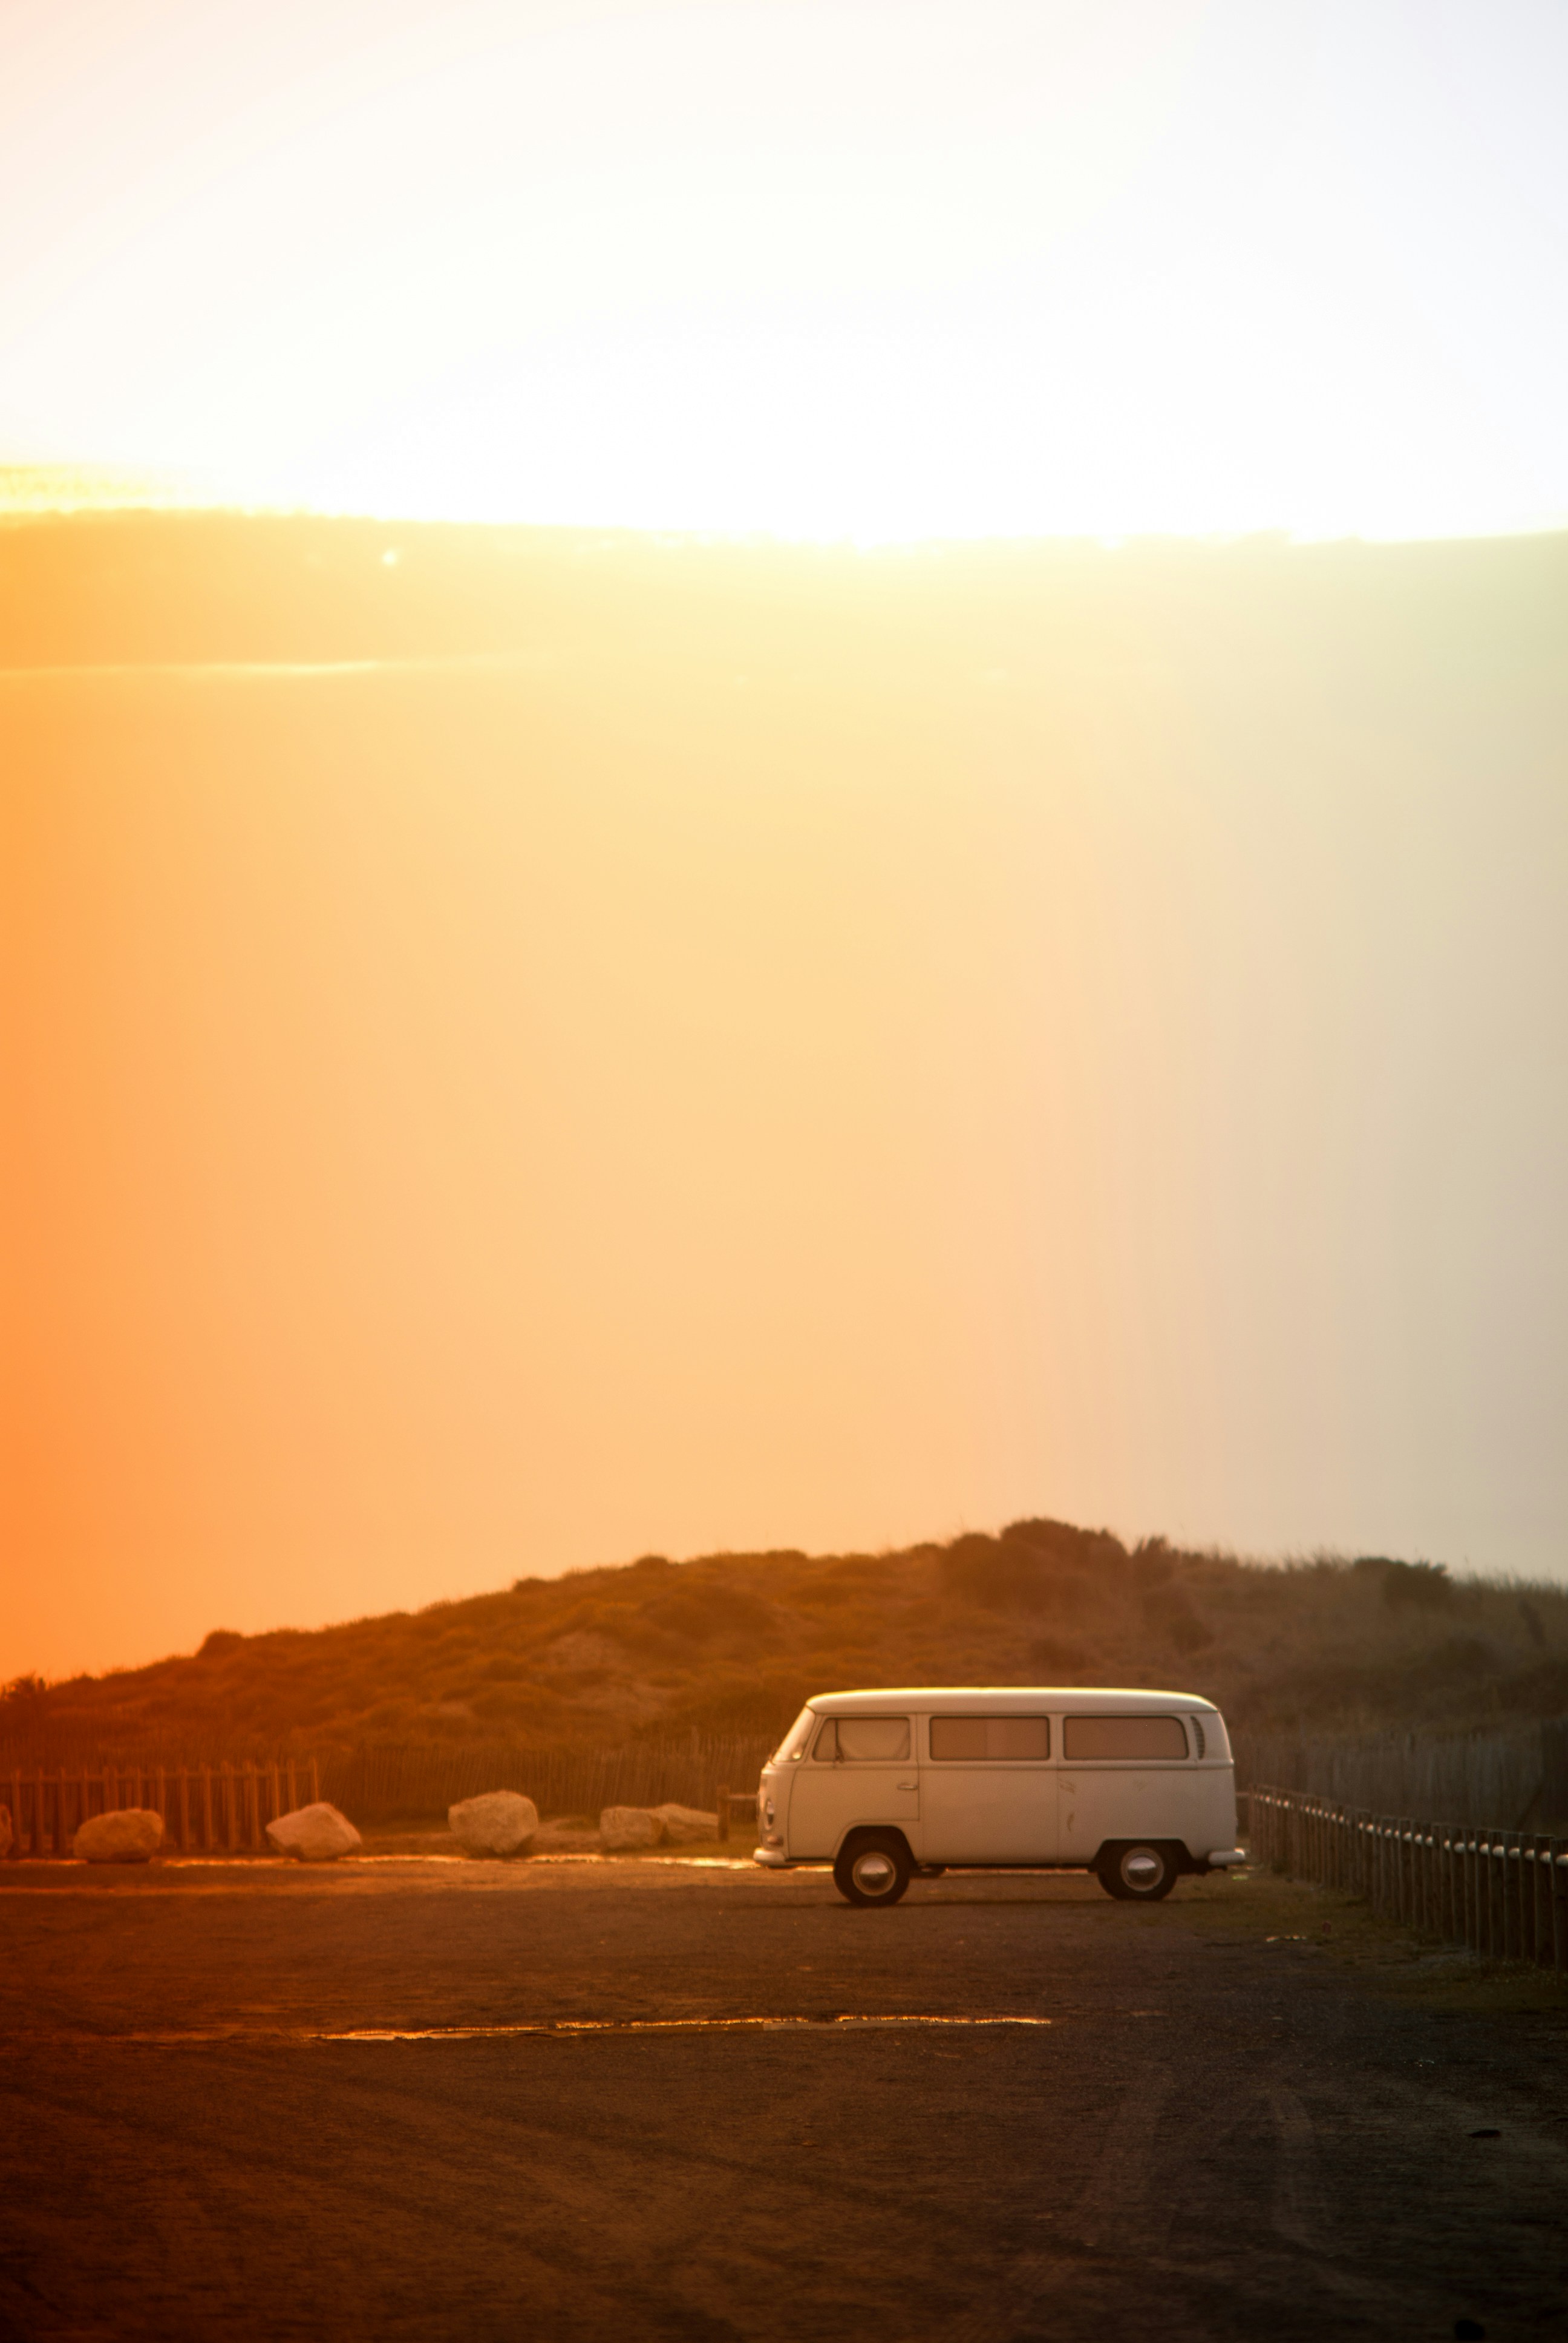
(1135, 1787)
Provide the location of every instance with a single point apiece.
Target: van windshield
(792, 1748)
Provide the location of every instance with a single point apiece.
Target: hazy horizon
(872, 271)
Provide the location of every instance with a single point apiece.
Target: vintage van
(1135, 1787)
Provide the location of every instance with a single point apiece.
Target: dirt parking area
(580, 2099)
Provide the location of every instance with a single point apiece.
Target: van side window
(971, 1737)
(1123, 1737)
(863, 1740)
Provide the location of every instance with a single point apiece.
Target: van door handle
(908, 1786)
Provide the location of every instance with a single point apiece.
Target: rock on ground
(124, 1835)
(316, 1834)
(685, 1825)
(626, 1830)
(499, 1822)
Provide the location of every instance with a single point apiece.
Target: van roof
(939, 1700)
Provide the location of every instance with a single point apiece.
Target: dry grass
(1325, 1924)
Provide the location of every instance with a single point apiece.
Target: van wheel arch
(856, 1872)
(1123, 1868)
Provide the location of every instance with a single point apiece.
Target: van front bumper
(772, 1858)
(1225, 1858)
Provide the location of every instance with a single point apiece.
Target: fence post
(722, 1800)
(1461, 1886)
(1559, 1862)
(1423, 1877)
(1441, 1860)
(1539, 1916)
(315, 1782)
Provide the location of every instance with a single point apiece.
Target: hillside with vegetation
(731, 1643)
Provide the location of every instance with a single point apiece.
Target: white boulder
(500, 1822)
(627, 1830)
(317, 1834)
(685, 1825)
(124, 1835)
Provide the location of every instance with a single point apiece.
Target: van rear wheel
(873, 1867)
(1138, 1873)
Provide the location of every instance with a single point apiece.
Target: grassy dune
(733, 1642)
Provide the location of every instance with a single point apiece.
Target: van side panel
(1194, 1804)
(988, 1809)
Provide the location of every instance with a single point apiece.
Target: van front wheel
(873, 1867)
(1137, 1874)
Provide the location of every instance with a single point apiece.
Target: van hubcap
(874, 1873)
(1143, 1868)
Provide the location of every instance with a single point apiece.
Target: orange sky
(779, 1064)
(804, 1047)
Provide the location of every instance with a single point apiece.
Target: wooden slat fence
(1500, 1893)
(1517, 1773)
(392, 1780)
(207, 1809)
(225, 1806)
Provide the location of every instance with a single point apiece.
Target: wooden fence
(1501, 1893)
(1517, 1773)
(395, 1781)
(209, 1809)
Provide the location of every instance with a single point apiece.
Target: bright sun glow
(878, 271)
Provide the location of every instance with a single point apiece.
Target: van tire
(872, 1868)
(1137, 1871)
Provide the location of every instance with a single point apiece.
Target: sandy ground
(414, 2098)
